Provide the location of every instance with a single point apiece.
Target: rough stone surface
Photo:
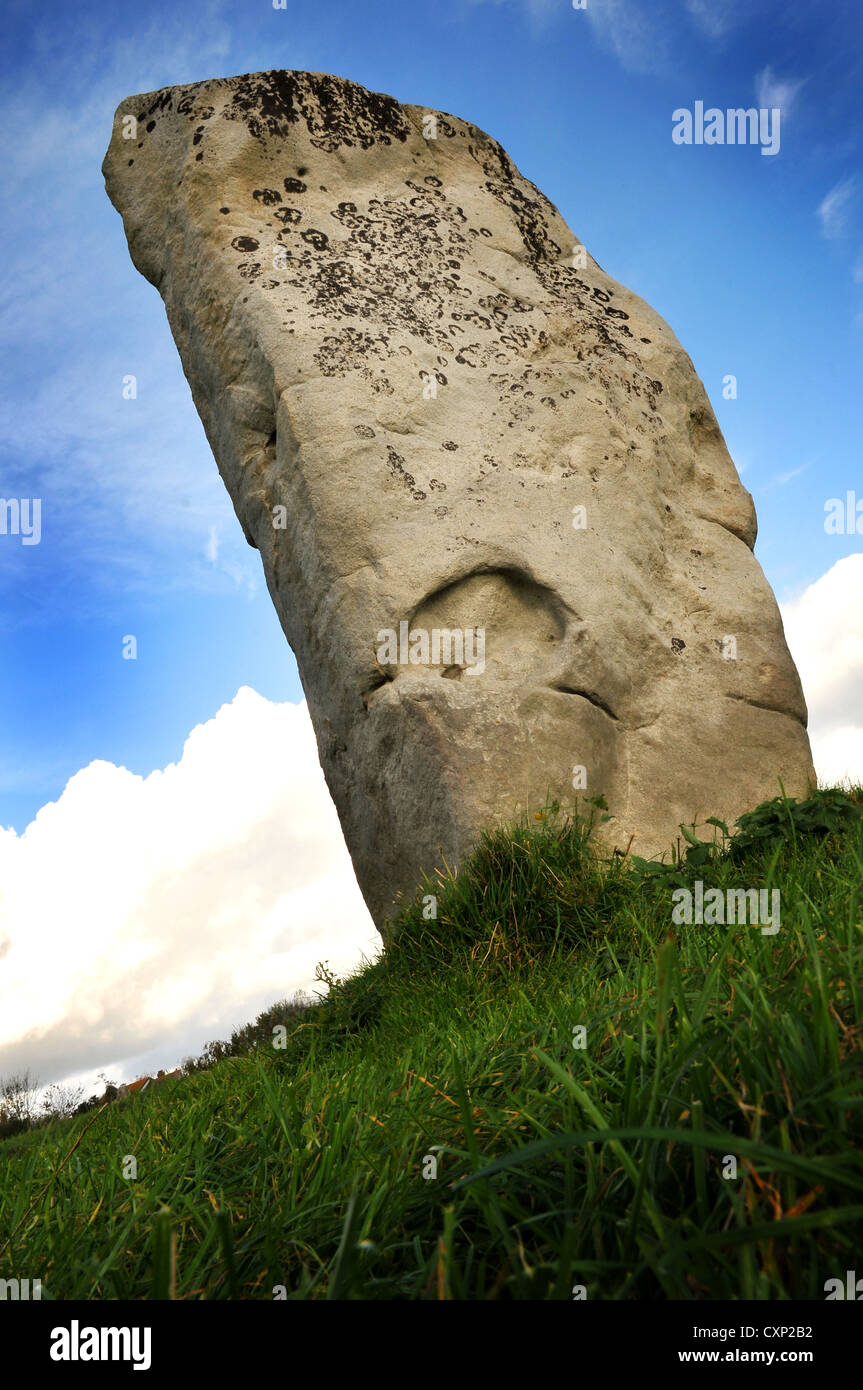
(388, 335)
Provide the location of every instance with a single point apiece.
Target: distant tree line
(21, 1107)
(251, 1035)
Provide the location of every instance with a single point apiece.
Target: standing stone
(496, 514)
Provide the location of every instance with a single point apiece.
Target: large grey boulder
(438, 418)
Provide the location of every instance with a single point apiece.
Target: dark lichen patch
(336, 281)
(530, 217)
(351, 350)
(336, 113)
(396, 466)
(406, 268)
(470, 356)
(364, 432)
(501, 305)
(164, 101)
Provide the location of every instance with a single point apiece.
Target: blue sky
(755, 261)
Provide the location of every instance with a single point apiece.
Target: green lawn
(608, 1166)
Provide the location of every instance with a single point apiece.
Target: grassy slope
(303, 1167)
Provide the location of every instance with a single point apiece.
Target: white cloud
(782, 479)
(774, 91)
(143, 916)
(620, 26)
(824, 628)
(833, 209)
(624, 28)
(714, 17)
(213, 545)
(707, 16)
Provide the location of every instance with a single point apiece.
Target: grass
(704, 1143)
